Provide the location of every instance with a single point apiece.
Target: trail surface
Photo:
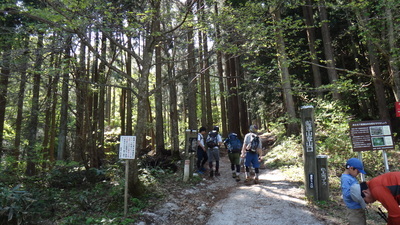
(223, 201)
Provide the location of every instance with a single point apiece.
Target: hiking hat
(355, 193)
(356, 163)
(253, 128)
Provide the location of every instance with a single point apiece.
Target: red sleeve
(384, 196)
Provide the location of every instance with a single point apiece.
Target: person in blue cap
(355, 210)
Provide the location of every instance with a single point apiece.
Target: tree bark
(160, 146)
(4, 80)
(393, 58)
(222, 83)
(328, 50)
(62, 135)
(191, 82)
(21, 97)
(310, 30)
(34, 118)
(81, 107)
(293, 127)
(374, 67)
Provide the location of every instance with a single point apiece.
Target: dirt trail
(274, 201)
(223, 201)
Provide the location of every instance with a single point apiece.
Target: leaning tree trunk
(374, 65)
(310, 30)
(293, 127)
(328, 50)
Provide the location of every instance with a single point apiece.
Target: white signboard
(127, 147)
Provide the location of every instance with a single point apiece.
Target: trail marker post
(308, 134)
(190, 152)
(322, 178)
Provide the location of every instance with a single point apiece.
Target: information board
(127, 147)
(371, 135)
(397, 107)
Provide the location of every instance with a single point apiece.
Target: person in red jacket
(384, 188)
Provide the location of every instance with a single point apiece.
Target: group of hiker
(384, 188)
(248, 152)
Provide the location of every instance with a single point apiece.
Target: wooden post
(190, 153)
(308, 133)
(126, 187)
(322, 178)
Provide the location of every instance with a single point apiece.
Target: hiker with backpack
(213, 141)
(251, 151)
(202, 156)
(234, 146)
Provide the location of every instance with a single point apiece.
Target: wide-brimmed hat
(355, 163)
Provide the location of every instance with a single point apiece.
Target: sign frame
(371, 135)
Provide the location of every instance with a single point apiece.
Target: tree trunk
(328, 50)
(81, 106)
(293, 127)
(128, 93)
(375, 70)
(21, 97)
(99, 131)
(34, 118)
(393, 58)
(309, 20)
(158, 94)
(220, 71)
(244, 122)
(173, 99)
(191, 85)
(233, 115)
(4, 80)
(62, 135)
(203, 88)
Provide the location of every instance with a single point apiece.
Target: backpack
(255, 142)
(211, 140)
(234, 145)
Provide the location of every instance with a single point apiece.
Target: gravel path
(223, 201)
(273, 201)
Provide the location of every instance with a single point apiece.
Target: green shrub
(14, 205)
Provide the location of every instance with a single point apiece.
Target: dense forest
(77, 74)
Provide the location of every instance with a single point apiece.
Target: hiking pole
(382, 214)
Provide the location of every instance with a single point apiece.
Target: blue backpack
(233, 144)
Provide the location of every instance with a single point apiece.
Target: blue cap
(355, 163)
